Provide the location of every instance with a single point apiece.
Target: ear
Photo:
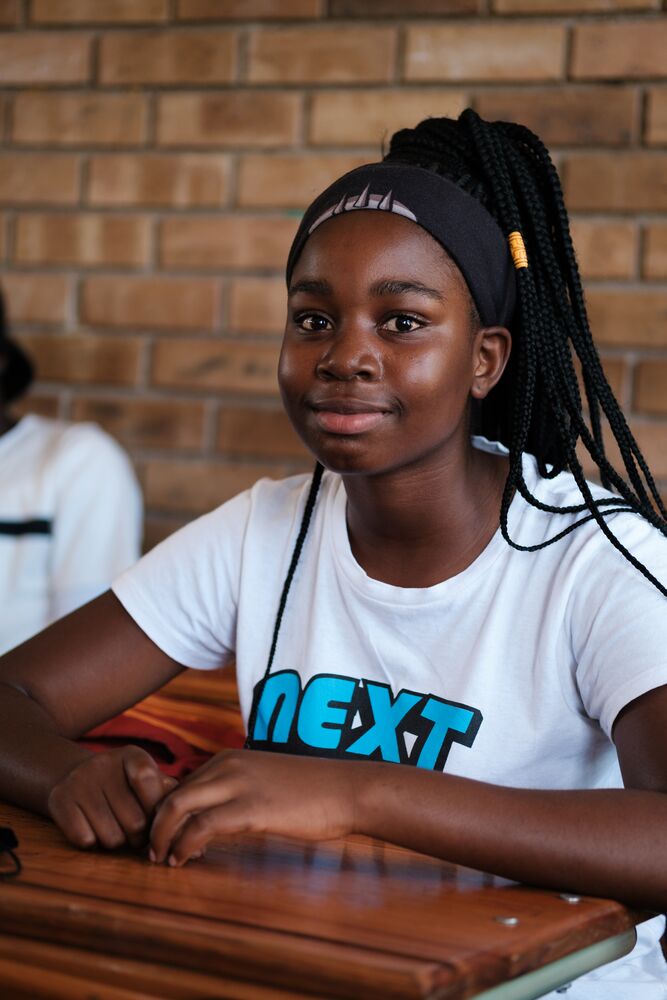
(492, 348)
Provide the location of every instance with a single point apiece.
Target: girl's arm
(82, 670)
(607, 842)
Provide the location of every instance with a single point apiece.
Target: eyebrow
(388, 286)
(314, 286)
(396, 287)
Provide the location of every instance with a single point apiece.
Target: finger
(126, 808)
(69, 818)
(104, 824)
(145, 778)
(198, 831)
(177, 808)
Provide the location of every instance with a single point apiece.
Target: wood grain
(341, 919)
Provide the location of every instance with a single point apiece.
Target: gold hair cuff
(518, 250)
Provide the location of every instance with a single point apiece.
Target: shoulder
(86, 450)
(588, 540)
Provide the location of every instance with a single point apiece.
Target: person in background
(70, 509)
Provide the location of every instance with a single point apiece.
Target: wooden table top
(269, 918)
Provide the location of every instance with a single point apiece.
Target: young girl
(466, 605)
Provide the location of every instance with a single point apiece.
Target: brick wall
(156, 155)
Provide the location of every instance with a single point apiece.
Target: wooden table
(264, 918)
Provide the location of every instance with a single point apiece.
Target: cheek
(287, 367)
(437, 379)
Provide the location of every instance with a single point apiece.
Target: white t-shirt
(70, 521)
(511, 672)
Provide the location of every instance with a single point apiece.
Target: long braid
(537, 405)
(296, 553)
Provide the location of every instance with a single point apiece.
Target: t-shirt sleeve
(619, 621)
(97, 517)
(184, 593)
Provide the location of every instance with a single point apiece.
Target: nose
(350, 354)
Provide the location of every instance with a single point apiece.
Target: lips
(348, 415)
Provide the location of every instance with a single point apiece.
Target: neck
(416, 528)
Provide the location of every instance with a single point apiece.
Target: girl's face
(380, 356)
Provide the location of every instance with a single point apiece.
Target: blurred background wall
(156, 156)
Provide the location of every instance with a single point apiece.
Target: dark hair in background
(16, 369)
(537, 406)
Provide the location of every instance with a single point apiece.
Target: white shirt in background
(70, 521)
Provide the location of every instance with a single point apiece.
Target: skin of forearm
(600, 842)
(45, 757)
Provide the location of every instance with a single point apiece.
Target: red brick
(93, 12)
(67, 118)
(217, 365)
(146, 423)
(246, 10)
(322, 55)
(369, 117)
(39, 403)
(235, 241)
(605, 249)
(570, 6)
(619, 50)
(655, 251)
(85, 358)
(290, 180)
(625, 182)
(177, 181)
(493, 52)
(398, 8)
(244, 430)
(158, 527)
(152, 303)
(195, 486)
(258, 305)
(10, 13)
(170, 57)
(652, 440)
(36, 298)
(656, 124)
(87, 239)
(240, 118)
(601, 116)
(651, 386)
(45, 57)
(628, 318)
(39, 178)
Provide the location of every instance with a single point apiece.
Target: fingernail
(172, 860)
(151, 855)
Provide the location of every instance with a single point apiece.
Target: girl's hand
(107, 799)
(251, 791)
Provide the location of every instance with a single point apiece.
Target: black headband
(460, 223)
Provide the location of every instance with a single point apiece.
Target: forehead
(375, 243)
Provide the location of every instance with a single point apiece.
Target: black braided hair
(537, 407)
(298, 545)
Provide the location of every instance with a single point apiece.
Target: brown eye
(313, 322)
(402, 324)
